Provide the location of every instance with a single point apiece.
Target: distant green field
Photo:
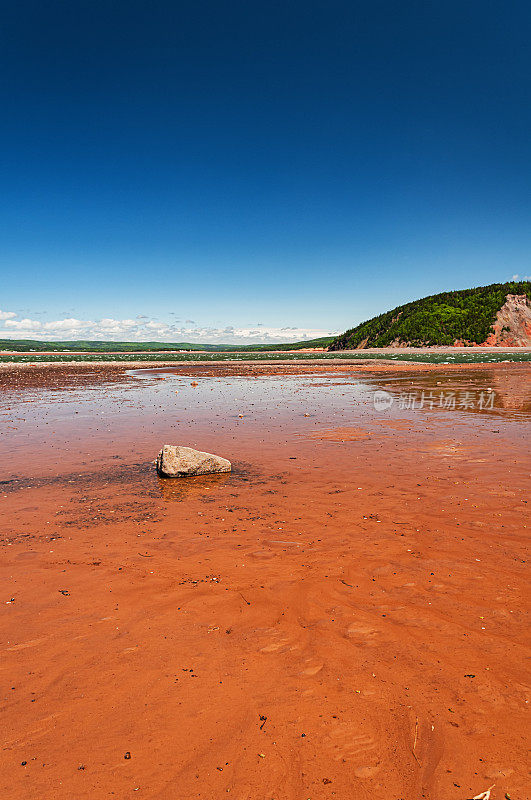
(432, 358)
(85, 345)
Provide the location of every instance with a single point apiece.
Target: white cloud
(7, 314)
(153, 325)
(23, 324)
(67, 325)
(145, 329)
(248, 335)
(113, 327)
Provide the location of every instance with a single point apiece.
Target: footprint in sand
(280, 644)
(358, 748)
(312, 669)
(363, 635)
(366, 772)
(284, 644)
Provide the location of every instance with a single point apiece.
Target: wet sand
(342, 617)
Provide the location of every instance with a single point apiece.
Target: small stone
(174, 461)
(127, 756)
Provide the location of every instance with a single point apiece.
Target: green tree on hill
(466, 315)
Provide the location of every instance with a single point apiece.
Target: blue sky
(256, 171)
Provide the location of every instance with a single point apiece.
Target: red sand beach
(344, 616)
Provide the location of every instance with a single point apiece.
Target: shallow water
(464, 356)
(132, 417)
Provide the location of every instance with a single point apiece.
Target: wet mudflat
(342, 616)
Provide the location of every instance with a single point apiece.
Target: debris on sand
(174, 461)
(484, 795)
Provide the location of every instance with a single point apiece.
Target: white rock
(180, 462)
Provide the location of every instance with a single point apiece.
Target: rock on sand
(180, 462)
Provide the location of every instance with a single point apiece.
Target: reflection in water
(93, 428)
(200, 487)
(480, 391)
(193, 488)
(513, 390)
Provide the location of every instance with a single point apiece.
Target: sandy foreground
(344, 616)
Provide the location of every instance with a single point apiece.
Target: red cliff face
(512, 327)
(513, 323)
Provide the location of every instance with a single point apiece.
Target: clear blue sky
(256, 166)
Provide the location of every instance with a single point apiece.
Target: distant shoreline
(373, 359)
(479, 349)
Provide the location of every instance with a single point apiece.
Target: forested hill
(468, 316)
